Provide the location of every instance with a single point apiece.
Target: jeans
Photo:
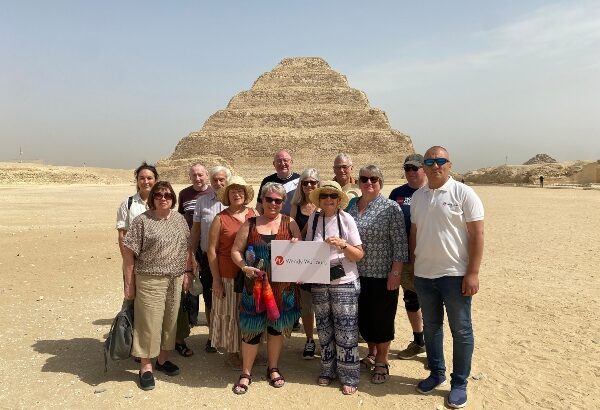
(434, 294)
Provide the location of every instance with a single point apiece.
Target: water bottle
(250, 256)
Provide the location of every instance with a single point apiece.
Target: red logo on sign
(279, 260)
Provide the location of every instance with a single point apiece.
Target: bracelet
(344, 247)
(188, 271)
(395, 273)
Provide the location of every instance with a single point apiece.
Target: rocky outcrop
(540, 159)
(554, 173)
(301, 105)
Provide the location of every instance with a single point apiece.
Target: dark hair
(142, 167)
(161, 185)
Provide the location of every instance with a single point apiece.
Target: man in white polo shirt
(446, 242)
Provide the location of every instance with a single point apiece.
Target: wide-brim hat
(330, 186)
(223, 193)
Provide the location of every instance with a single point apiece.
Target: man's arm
(470, 285)
(412, 242)
(194, 237)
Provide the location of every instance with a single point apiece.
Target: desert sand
(535, 317)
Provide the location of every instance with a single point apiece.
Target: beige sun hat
(330, 186)
(223, 194)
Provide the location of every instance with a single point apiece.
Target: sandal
(183, 350)
(367, 363)
(240, 388)
(379, 376)
(324, 381)
(348, 390)
(273, 380)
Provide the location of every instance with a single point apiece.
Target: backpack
(120, 337)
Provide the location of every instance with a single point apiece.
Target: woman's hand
(393, 281)
(187, 281)
(129, 291)
(217, 288)
(251, 272)
(336, 242)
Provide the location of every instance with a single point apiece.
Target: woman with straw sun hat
(336, 303)
(225, 312)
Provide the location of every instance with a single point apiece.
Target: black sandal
(274, 380)
(380, 376)
(244, 387)
(183, 349)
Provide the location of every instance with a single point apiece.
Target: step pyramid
(304, 106)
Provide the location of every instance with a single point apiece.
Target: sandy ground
(535, 318)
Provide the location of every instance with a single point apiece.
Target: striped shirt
(207, 207)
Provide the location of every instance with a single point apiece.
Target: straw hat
(223, 194)
(330, 186)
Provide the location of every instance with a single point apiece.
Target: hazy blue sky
(110, 83)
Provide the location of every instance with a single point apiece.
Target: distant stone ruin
(301, 105)
(540, 159)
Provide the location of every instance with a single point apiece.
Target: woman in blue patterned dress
(259, 232)
(380, 223)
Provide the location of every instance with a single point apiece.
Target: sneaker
(168, 368)
(429, 384)
(457, 398)
(209, 348)
(309, 350)
(411, 351)
(146, 380)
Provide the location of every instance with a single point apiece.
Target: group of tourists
(426, 238)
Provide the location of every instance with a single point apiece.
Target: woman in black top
(302, 208)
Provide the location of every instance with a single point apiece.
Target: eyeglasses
(439, 161)
(410, 168)
(306, 183)
(271, 200)
(364, 179)
(344, 167)
(165, 195)
(332, 196)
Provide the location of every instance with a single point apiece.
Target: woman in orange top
(225, 312)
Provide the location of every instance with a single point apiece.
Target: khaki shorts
(306, 307)
(407, 277)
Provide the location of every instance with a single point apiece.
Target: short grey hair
(373, 169)
(197, 164)
(273, 187)
(218, 169)
(342, 156)
(299, 198)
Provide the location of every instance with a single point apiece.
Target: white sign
(306, 262)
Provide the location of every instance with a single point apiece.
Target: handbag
(120, 337)
(336, 272)
(239, 282)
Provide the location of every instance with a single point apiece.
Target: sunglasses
(271, 200)
(410, 168)
(165, 195)
(307, 183)
(332, 196)
(439, 161)
(364, 179)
